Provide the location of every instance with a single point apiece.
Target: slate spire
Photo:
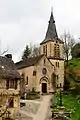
(51, 31)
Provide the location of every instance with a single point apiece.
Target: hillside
(75, 65)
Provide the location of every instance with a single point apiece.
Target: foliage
(31, 51)
(35, 50)
(68, 44)
(71, 80)
(26, 52)
(53, 81)
(71, 104)
(32, 95)
(75, 63)
(76, 51)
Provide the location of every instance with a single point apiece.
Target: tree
(69, 42)
(35, 50)
(26, 52)
(53, 81)
(71, 80)
(76, 51)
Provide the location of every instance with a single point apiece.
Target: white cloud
(25, 21)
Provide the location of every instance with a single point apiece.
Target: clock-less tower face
(52, 49)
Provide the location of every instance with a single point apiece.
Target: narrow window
(27, 80)
(57, 77)
(56, 51)
(43, 49)
(44, 61)
(34, 73)
(11, 84)
(7, 84)
(15, 84)
(50, 48)
(46, 50)
(11, 103)
(56, 64)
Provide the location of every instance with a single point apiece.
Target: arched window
(34, 73)
(27, 80)
(44, 71)
(44, 61)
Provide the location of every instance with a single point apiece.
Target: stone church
(37, 71)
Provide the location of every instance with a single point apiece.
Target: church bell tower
(52, 46)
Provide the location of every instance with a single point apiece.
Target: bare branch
(4, 52)
(69, 42)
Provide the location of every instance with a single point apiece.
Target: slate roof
(51, 33)
(8, 69)
(28, 62)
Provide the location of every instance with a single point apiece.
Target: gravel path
(42, 111)
(36, 109)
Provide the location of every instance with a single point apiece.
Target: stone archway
(44, 82)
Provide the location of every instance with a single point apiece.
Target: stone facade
(37, 80)
(38, 72)
(9, 88)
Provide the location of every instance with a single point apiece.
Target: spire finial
(51, 9)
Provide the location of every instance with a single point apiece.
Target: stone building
(9, 88)
(38, 71)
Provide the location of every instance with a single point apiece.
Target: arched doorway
(44, 82)
(44, 87)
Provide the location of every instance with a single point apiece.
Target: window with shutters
(11, 84)
(56, 51)
(45, 50)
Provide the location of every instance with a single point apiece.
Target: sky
(25, 22)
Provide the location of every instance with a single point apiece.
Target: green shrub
(32, 95)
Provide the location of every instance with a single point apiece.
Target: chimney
(9, 56)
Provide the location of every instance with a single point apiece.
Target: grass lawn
(70, 103)
(75, 63)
